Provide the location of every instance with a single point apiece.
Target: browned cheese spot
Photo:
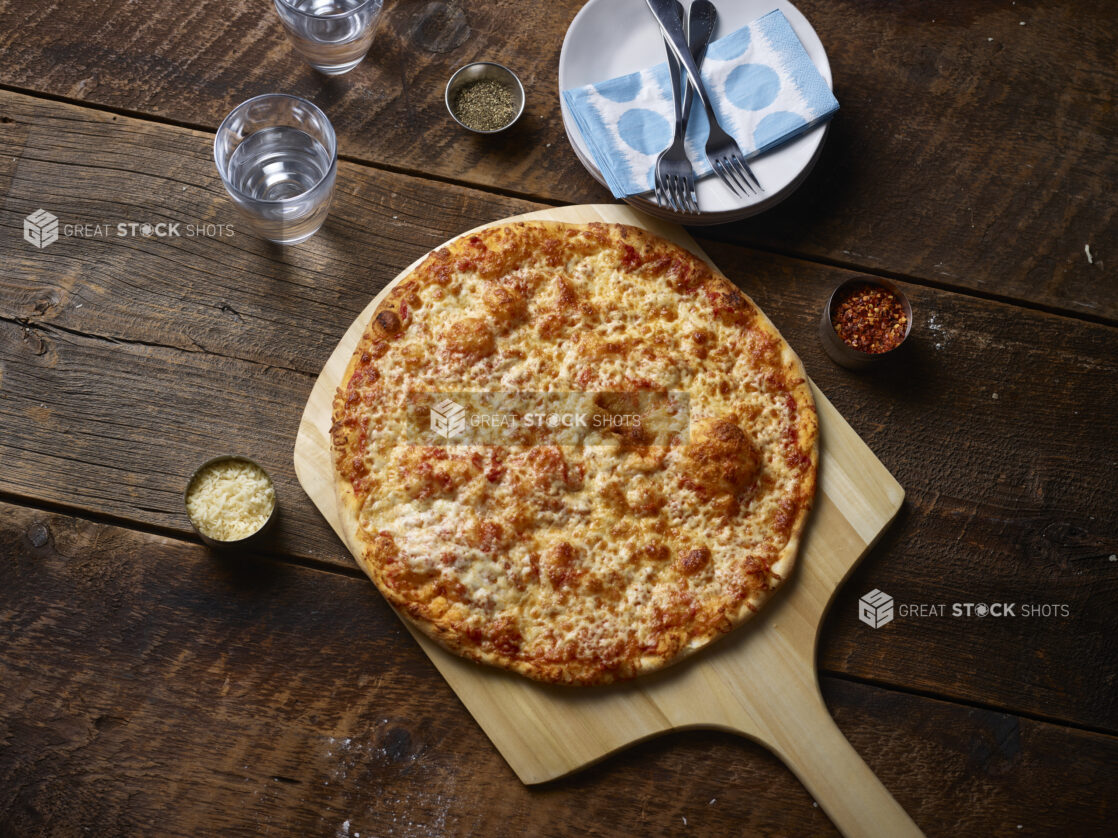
(691, 562)
(723, 459)
(388, 322)
(470, 337)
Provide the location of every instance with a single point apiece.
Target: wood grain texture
(147, 682)
(973, 149)
(118, 360)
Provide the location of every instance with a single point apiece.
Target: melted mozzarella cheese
(575, 551)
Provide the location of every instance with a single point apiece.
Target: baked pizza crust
(495, 254)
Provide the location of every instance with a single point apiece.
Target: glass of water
(332, 35)
(278, 157)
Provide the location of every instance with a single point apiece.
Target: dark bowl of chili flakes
(865, 322)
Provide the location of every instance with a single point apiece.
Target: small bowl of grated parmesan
(230, 500)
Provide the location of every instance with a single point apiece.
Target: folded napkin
(764, 87)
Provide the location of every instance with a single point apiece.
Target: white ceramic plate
(610, 38)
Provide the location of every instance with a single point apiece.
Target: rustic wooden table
(148, 686)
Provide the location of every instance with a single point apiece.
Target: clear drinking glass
(332, 35)
(278, 157)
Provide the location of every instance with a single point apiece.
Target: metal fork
(675, 176)
(723, 152)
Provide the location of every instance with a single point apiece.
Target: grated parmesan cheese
(230, 500)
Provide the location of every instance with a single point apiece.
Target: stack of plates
(610, 38)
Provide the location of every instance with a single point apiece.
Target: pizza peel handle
(763, 686)
(796, 726)
(841, 782)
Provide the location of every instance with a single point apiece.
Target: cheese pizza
(574, 451)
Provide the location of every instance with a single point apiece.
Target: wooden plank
(148, 682)
(220, 293)
(974, 147)
(1008, 497)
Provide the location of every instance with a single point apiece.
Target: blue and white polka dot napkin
(764, 87)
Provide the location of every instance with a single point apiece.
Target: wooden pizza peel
(759, 681)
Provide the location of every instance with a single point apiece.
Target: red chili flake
(869, 318)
